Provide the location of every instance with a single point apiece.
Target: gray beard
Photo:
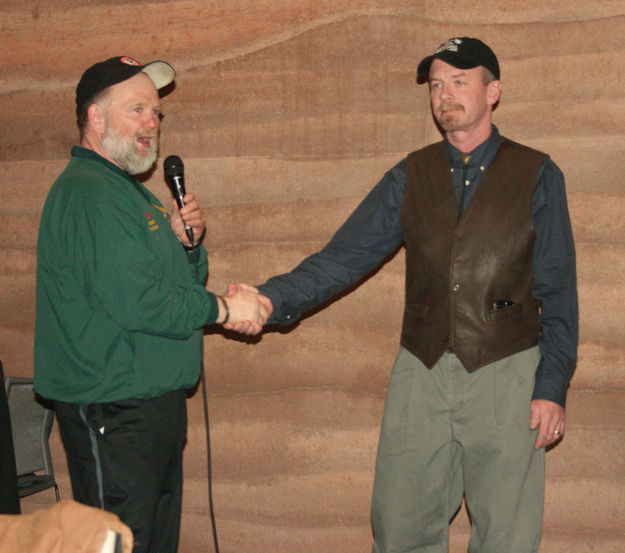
(123, 151)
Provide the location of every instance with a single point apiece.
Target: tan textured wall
(286, 112)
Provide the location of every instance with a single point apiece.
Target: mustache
(445, 106)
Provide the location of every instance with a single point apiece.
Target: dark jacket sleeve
(370, 234)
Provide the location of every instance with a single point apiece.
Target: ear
(493, 92)
(97, 120)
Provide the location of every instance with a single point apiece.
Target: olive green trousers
(448, 433)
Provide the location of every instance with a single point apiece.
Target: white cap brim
(160, 72)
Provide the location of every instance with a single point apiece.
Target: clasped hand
(249, 310)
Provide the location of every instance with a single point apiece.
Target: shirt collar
(480, 156)
(85, 153)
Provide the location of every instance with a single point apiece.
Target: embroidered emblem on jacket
(152, 224)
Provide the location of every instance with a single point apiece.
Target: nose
(152, 120)
(445, 91)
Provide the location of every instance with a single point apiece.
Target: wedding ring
(556, 432)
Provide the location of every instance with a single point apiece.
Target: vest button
(456, 287)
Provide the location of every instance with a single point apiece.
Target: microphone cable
(211, 508)
(209, 464)
(194, 251)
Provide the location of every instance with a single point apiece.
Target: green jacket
(120, 304)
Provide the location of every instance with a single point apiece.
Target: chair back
(31, 423)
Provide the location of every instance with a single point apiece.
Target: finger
(248, 288)
(245, 327)
(558, 432)
(538, 443)
(232, 289)
(548, 434)
(240, 326)
(256, 329)
(195, 219)
(534, 420)
(190, 203)
(248, 327)
(541, 437)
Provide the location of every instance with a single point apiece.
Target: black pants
(9, 498)
(126, 457)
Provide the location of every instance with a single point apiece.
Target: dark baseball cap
(115, 70)
(463, 53)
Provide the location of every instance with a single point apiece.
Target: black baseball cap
(115, 70)
(463, 53)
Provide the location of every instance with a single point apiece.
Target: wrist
(226, 309)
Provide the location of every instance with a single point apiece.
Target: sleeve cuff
(551, 390)
(213, 311)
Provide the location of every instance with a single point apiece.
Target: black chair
(9, 497)
(31, 423)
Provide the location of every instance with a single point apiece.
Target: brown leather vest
(468, 283)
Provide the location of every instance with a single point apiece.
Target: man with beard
(489, 338)
(121, 305)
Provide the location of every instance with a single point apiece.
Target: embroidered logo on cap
(129, 61)
(450, 46)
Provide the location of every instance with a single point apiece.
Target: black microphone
(174, 171)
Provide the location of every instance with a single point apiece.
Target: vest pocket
(497, 312)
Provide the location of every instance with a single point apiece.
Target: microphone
(174, 171)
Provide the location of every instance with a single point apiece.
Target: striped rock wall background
(286, 112)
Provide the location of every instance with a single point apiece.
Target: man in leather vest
(489, 337)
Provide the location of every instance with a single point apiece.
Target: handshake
(243, 309)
